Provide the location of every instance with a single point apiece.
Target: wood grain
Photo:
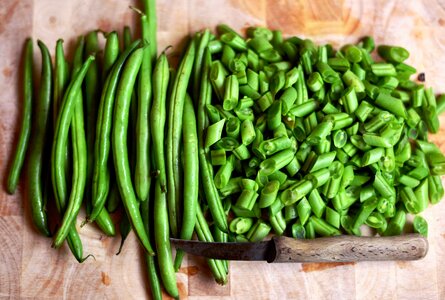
(29, 268)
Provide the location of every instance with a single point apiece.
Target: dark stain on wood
(7, 72)
(312, 267)
(190, 270)
(402, 264)
(52, 20)
(106, 280)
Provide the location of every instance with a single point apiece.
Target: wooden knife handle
(349, 249)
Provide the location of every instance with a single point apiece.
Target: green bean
(332, 217)
(296, 192)
(350, 100)
(174, 128)
(352, 53)
(391, 104)
(304, 109)
(277, 161)
(203, 232)
(75, 111)
(420, 225)
(269, 193)
(351, 80)
(396, 224)
(357, 70)
(258, 232)
(368, 43)
(142, 167)
(304, 210)
(322, 161)
(119, 144)
(197, 66)
(383, 69)
(392, 54)
(320, 132)
(101, 176)
(218, 157)
(315, 82)
(246, 199)
(92, 81)
(316, 202)
(158, 116)
(163, 247)
(25, 130)
(339, 64)
(151, 27)
(241, 225)
(191, 182)
(228, 55)
(287, 100)
(435, 189)
(372, 156)
(231, 92)
(321, 227)
(39, 134)
(440, 104)
(111, 53)
(278, 223)
(151, 263)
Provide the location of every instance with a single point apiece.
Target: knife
(329, 249)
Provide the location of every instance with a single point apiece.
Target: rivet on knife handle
(350, 249)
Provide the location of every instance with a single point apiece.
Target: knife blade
(329, 249)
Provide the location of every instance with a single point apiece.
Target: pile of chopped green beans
(307, 141)
(247, 137)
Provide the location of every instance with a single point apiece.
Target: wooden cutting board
(29, 268)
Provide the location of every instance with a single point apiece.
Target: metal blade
(229, 251)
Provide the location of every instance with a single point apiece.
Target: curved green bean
(101, 176)
(158, 116)
(174, 128)
(191, 178)
(120, 150)
(142, 177)
(74, 104)
(36, 154)
(22, 145)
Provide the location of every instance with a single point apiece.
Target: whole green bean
(191, 178)
(174, 128)
(101, 176)
(79, 148)
(142, 177)
(36, 156)
(22, 144)
(158, 116)
(120, 150)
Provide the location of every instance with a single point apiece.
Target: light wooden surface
(29, 268)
